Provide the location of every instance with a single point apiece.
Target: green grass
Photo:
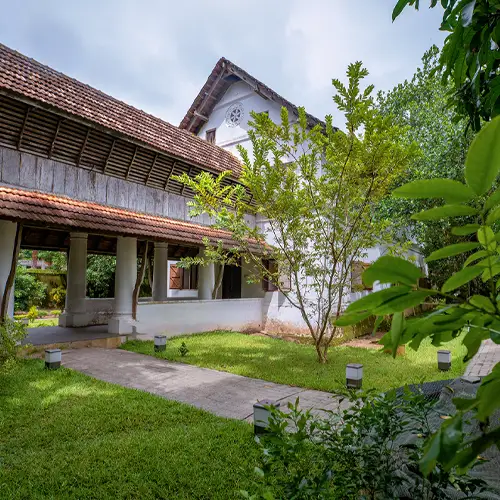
(288, 363)
(43, 322)
(66, 435)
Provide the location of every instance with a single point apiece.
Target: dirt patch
(367, 341)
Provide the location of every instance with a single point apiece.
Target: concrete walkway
(484, 360)
(224, 394)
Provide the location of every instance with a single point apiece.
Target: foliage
(28, 291)
(471, 54)
(420, 105)
(213, 254)
(57, 260)
(33, 314)
(58, 296)
(479, 315)
(11, 334)
(295, 364)
(68, 435)
(369, 450)
(101, 276)
(316, 189)
(183, 349)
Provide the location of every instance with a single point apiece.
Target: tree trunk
(138, 283)
(322, 357)
(218, 281)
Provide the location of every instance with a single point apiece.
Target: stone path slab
(484, 360)
(224, 394)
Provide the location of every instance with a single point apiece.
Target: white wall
(193, 316)
(230, 137)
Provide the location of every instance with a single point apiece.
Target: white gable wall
(229, 137)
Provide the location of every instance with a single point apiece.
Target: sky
(157, 54)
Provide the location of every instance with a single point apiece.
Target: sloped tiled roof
(67, 213)
(31, 80)
(222, 76)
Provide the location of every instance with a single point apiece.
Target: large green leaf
(401, 302)
(399, 8)
(451, 250)
(397, 327)
(487, 394)
(472, 341)
(482, 302)
(461, 277)
(445, 211)
(494, 199)
(486, 237)
(465, 230)
(372, 300)
(476, 256)
(483, 159)
(451, 191)
(390, 269)
(351, 319)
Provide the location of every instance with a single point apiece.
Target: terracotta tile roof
(66, 213)
(25, 77)
(217, 84)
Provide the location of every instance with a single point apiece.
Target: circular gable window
(234, 114)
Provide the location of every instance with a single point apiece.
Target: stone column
(7, 242)
(75, 311)
(160, 271)
(125, 278)
(206, 280)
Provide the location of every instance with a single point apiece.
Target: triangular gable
(224, 74)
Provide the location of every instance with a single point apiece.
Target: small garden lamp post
(261, 414)
(444, 360)
(53, 359)
(160, 343)
(354, 375)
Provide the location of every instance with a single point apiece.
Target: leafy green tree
(477, 316)
(420, 105)
(101, 276)
(57, 260)
(316, 189)
(471, 54)
(28, 291)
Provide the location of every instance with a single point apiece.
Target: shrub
(58, 296)
(370, 450)
(11, 334)
(33, 314)
(28, 291)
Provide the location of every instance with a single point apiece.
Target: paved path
(484, 360)
(221, 393)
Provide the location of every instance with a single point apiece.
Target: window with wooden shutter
(210, 136)
(357, 270)
(176, 277)
(272, 267)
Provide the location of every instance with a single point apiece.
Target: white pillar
(160, 271)
(125, 278)
(206, 280)
(7, 242)
(75, 311)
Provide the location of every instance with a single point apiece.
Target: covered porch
(32, 220)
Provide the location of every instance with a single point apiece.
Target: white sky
(156, 54)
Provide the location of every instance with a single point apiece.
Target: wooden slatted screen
(175, 277)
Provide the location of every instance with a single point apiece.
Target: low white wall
(99, 310)
(193, 316)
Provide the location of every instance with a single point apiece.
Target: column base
(69, 319)
(121, 325)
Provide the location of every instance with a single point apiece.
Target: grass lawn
(43, 322)
(295, 364)
(66, 435)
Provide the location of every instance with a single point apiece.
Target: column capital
(78, 236)
(161, 244)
